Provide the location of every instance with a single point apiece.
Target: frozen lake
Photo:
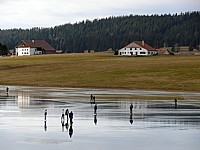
(154, 124)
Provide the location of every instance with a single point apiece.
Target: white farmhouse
(137, 48)
(34, 47)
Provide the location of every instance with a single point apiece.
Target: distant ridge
(114, 32)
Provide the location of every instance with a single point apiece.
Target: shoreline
(102, 88)
(102, 93)
(96, 87)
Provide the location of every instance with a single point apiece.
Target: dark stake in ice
(175, 103)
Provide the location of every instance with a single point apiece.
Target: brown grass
(169, 73)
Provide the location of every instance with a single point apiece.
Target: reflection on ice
(95, 118)
(70, 131)
(131, 118)
(42, 141)
(39, 117)
(45, 125)
(23, 99)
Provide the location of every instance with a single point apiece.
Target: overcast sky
(49, 13)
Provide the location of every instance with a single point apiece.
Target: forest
(3, 50)
(114, 32)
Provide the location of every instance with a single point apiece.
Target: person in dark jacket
(71, 117)
(95, 109)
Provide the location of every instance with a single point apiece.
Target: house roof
(37, 44)
(165, 51)
(140, 44)
(145, 46)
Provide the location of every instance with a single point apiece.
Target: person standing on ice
(95, 109)
(7, 89)
(131, 108)
(71, 117)
(67, 113)
(45, 114)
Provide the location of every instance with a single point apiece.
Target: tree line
(114, 32)
(3, 50)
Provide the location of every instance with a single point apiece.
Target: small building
(89, 51)
(165, 51)
(34, 47)
(184, 48)
(137, 48)
(59, 51)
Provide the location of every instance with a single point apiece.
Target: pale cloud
(48, 13)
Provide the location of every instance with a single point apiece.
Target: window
(140, 48)
(135, 48)
(142, 52)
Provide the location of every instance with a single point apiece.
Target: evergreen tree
(114, 32)
(3, 50)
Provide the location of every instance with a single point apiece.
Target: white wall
(23, 51)
(133, 51)
(27, 51)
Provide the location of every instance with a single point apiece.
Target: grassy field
(169, 73)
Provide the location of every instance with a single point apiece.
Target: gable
(42, 44)
(132, 45)
(139, 44)
(22, 44)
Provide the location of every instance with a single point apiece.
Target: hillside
(114, 32)
(101, 70)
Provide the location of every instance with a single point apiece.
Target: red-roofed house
(137, 48)
(34, 47)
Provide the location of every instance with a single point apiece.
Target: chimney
(143, 43)
(33, 41)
